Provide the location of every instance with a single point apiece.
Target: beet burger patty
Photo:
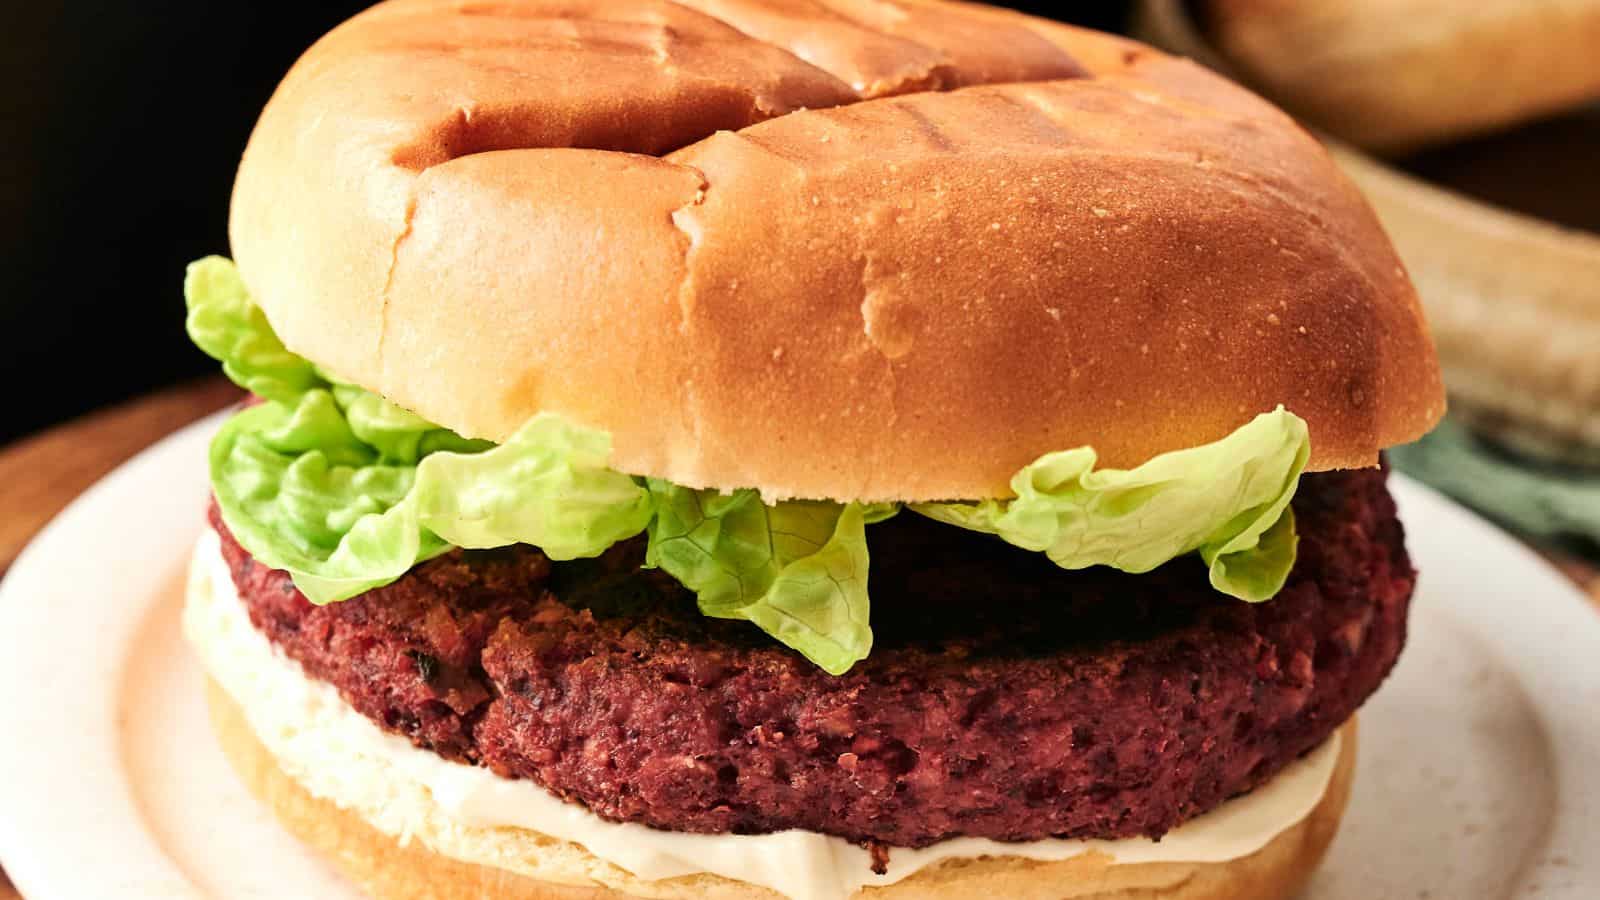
(1072, 704)
(842, 450)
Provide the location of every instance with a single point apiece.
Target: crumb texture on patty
(1005, 698)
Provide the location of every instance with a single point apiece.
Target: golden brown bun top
(852, 249)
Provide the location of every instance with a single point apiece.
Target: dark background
(123, 125)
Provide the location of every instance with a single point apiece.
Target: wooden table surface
(41, 474)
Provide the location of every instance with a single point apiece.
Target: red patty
(1005, 698)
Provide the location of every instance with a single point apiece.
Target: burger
(749, 449)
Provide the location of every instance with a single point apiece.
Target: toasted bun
(852, 250)
(1395, 74)
(388, 870)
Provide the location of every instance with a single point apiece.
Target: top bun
(843, 249)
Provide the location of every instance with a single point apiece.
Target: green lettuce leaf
(397, 434)
(229, 327)
(797, 570)
(1229, 500)
(548, 485)
(346, 491)
(303, 494)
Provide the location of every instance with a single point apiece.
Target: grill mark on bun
(1005, 52)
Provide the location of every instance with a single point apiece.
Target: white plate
(1479, 773)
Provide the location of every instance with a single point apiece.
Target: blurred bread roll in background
(1394, 75)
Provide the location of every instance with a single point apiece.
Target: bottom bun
(386, 869)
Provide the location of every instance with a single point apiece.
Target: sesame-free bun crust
(388, 870)
(850, 249)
